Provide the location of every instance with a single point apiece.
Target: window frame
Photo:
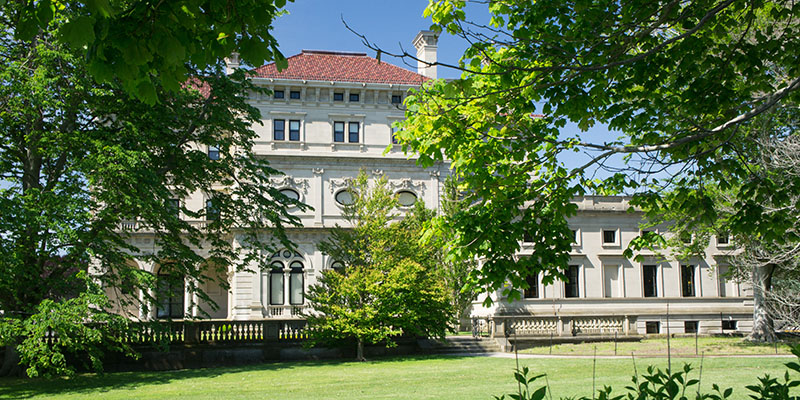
(338, 96)
(294, 134)
(279, 94)
(576, 284)
(292, 94)
(294, 271)
(282, 130)
(615, 242)
(277, 271)
(213, 152)
(532, 291)
(399, 98)
(654, 268)
(169, 312)
(354, 97)
(691, 283)
(336, 133)
(212, 212)
(350, 133)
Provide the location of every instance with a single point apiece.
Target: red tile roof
(316, 65)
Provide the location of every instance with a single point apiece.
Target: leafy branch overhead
(145, 44)
(681, 83)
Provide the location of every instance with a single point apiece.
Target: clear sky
(317, 25)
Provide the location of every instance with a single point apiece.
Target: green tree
(78, 158)
(148, 44)
(388, 286)
(680, 82)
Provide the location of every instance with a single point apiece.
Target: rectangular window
(723, 239)
(352, 132)
(527, 238)
(338, 132)
(609, 236)
(394, 134)
(354, 97)
(397, 99)
(532, 292)
(690, 326)
(213, 152)
(723, 281)
(279, 129)
(575, 236)
(296, 287)
(650, 279)
(212, 212)
(687, 281)
(571, 285)
(728, 325)
(652, 327)
(294, 130)
(338, 96)
(276, 287)
(294, 95)
(174, 207)
(278, 94)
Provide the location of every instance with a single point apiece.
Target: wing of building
(330, 115)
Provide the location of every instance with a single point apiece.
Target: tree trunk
(360, 351)
(763, 329)
(10, 365)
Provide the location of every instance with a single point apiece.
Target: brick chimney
(426, 44)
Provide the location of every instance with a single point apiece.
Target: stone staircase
(461, 344)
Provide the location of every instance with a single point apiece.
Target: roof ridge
(334, 53)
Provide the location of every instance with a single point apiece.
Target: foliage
(679, 80)
(146, 45)
(667, 385)
(387, 287)
(77, 159)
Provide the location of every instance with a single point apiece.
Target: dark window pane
(728, 324)
(170, 297)
(278, 94)
(294, 130)
(338, 97)
(650, 273)
(609, 236)
(338, 132)
(690, 326)
(276, 284)
(571, 286)
(527, 238)
(723, 239)
(294, 94)
(394, 134)
(532, 292)
(652, 327)
(397, 99)
(213, 152)
(174, 207)
(279, 129)
(354, 97)
(687, 281)
(212, 213)
(353, 132)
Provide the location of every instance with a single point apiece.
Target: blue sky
(317, 25)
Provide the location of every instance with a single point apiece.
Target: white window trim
(286, 116)
(347, 119)
(617, 238)
(659, 279)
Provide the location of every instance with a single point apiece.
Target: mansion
(330, 115)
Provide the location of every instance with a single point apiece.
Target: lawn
(658, 347)
(432, 377)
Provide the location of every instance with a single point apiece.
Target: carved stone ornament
(337, 184)
(287, 181)
(407, 184)
(318, 171)
(377, 173)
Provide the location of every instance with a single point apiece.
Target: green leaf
(45, 10)
(79, 31)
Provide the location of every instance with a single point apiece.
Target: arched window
(170, 296)
(296, 294)
(276, 284)
(338, 266)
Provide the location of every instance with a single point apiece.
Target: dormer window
(278, 94)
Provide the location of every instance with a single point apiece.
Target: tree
(146, 44)
(388, 286)
(680, 81)
(78, 158)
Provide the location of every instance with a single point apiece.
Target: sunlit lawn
(434, 377)
(658, 346)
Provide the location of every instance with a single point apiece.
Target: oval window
(291, 193)
(406, 198)
(344, 198)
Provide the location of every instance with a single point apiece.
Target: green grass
(391, 378)
(658, 347)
